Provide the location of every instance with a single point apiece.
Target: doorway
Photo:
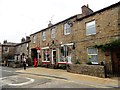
(33, 53)
(116, 61)
(54, 56)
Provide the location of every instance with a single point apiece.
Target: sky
(20, 18)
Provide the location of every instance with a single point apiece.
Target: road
(11, 79)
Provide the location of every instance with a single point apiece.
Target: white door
(53, 56)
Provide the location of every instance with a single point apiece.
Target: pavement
(72, 77)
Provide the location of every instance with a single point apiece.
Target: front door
(53, 56)
(116, 61)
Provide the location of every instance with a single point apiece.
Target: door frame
(115, 61)
(53, 50)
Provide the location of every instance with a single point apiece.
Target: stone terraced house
(7, 51)
(11, 53)
(22, 48)
(81, 39)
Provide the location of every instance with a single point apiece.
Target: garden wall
(93, 70)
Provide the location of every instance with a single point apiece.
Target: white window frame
(53, 32)
(43, 53)
(68, 57)
(45, 59)
(89, 25)
(34, 38)
(27, 46)
(93, 62)
(43, 35)
(67, 28)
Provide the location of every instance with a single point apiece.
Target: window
(6, 49)
(90, 28)
(44, 36)
(93, 55)
(27, 46)
(46, 55)
(65, 53)
(53, 33)
(34, 39)
(67, 28)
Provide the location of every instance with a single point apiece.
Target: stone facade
(106, 31)
(7, 52)
(12, 52)
(22, 49)
(74, 45)
(0, 52)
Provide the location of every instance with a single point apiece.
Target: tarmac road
(19, 78)
(12, 79)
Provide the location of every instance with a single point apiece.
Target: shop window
(46, 55)
(65, 53)
(93, 55)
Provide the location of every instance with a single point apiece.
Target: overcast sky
(19, 18)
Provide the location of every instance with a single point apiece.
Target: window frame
(43, 35)
(66, 53)
(6, 49)
(67, 27)
(34, 38)
(53, 34)
(88, 27)
(96, 54)
(27, 46)
(45, 57)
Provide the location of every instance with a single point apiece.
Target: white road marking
(3, 78)
(20, 84)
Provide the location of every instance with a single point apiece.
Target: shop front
(57, 55)
(46, 59)
(65, 54)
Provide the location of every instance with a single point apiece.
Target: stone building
(7, 51)
(0, 52)
(22, 48)
(77, 38)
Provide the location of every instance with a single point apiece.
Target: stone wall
(92, 70)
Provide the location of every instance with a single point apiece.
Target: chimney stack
(5, 41)
(86, 10)
(27, 38)
(22, 40)
(50, 24)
